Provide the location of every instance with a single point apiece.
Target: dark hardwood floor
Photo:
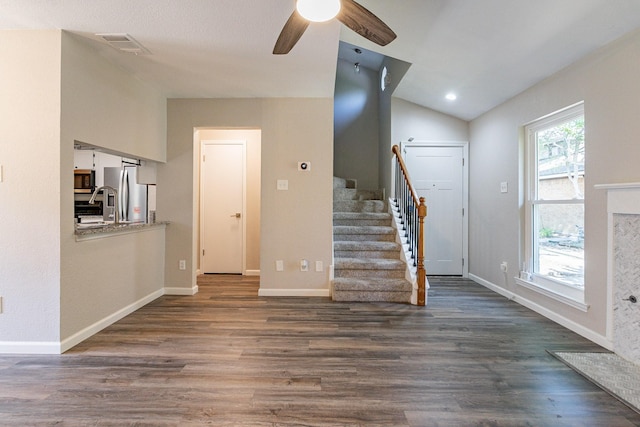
(225, 357)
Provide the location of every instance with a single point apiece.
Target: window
(555, 203)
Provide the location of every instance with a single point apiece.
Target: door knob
(236, 215)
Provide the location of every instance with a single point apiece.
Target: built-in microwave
(84, 180)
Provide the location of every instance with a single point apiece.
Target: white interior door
(222, 207)
(437, 173)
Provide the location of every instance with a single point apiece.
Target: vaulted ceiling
(486, 51)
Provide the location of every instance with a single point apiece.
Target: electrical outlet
(319, 266)
(504, 267)
(279, 265)
(182, 265)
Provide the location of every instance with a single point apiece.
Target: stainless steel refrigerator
(132, 197)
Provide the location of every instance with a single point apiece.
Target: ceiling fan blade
(290, 34)
(362, 21)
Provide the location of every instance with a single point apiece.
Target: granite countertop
(98, 230)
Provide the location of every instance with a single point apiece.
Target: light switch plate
(279, 265)
(283, 184)
(319, 266)
(504, 187)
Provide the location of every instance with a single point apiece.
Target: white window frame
(543, 284)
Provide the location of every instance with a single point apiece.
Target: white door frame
(243, 217)
(465, 189)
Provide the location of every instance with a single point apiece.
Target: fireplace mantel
(623, 317)
(622, 198)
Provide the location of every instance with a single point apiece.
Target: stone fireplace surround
(623, 322)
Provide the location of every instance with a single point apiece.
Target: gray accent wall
(356, 135)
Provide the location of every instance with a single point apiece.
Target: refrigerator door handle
(125, 195)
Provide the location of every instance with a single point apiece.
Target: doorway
(439, 173)
(222, 176)
(251, 198)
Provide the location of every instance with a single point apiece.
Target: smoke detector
(124, 43)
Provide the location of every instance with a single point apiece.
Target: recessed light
(451, 96)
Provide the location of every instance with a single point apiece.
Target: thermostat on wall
(304, 166)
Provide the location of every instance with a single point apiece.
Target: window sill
(552, 294)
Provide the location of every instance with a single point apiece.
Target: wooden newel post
(422, 274)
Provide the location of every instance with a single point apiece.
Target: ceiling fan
(349, 12)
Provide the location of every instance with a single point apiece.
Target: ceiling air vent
(124, 43)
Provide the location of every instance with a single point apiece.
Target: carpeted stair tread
(366, 246)
(359, 206)
(376, 264)
(362, 215)
(362, 229)
(343, 183)
(356, 194)
(371, 284)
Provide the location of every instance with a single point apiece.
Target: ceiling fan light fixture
(318, 10)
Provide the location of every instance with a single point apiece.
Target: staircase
(367, 257)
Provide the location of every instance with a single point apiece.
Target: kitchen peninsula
(98, 231)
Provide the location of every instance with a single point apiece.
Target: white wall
(609, 85)
(295, 224)
(409, 120)
(30, 189)
(413, 121)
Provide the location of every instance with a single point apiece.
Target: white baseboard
(22, 347)
(35, 347)
(252, 273)
(294, 292)
(181, 291)
(551, 315)
(82, 335)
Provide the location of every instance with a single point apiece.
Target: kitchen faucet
(106, 188)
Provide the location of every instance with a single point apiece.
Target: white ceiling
(486, 51)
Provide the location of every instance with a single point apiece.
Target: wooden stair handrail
(421, 208)
(405, 173)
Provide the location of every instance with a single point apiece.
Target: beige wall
(105, 106)
(608, 83)
(56, 89)
(30, 190)
(295, 224)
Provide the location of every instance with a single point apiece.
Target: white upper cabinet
(83, 159)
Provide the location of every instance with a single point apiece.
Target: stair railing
(412, 211)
